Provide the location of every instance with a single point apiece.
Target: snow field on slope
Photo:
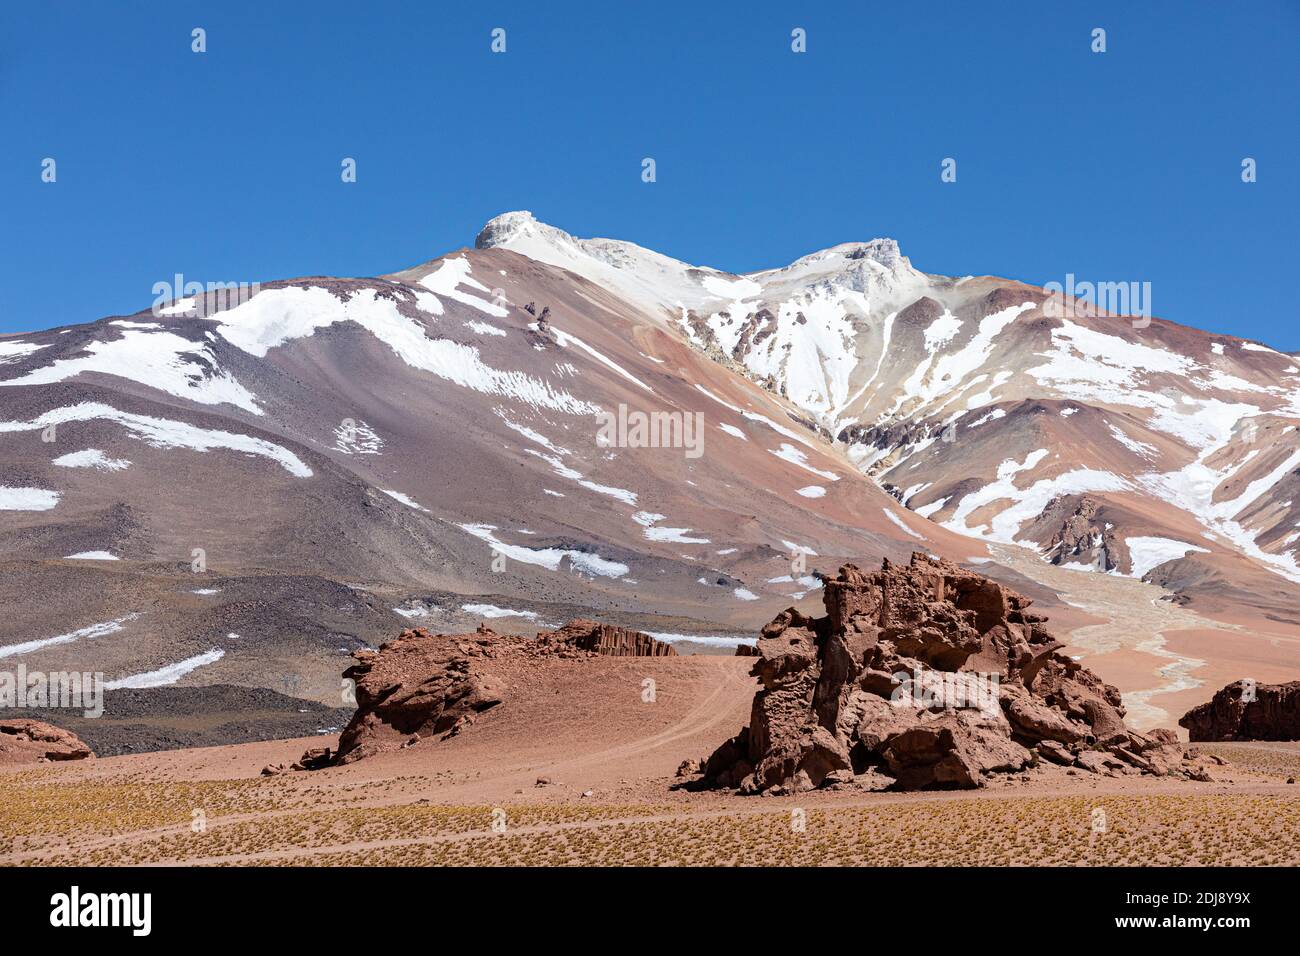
(165, 433)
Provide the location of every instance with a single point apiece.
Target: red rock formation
(1084, 537)
(34, 741)
(607, 640)
(1245, 710)
(433, 685)
(420, 683)
(930, 676)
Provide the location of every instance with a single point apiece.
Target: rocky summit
(926, 676)
(1245, 710)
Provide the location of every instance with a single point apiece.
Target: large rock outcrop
(929, 676)
(606, 640)
(1245, 710)
(433, 685)
(34, 741)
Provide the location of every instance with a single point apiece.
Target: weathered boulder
(1034, 719)
(932, 675)
(1245, 710)
(314, 759)
(1055, 752)
(420, 683)
(728, 766)
(1160, 752)
(952, 750)
(424, 685)
(34, 741)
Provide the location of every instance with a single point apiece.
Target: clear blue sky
(225, 166)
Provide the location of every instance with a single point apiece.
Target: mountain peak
(507, 226)
(523, 232)
(882, 251)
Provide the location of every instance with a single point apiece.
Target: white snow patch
(93, 630)
(409, 502)
(169, 674)
(1026, 503)
(357, 438)
(91, 556)
(565, 340)
(991, 417)
(926, 510)
(179, 307)
(755, 417)
(564, 471)
(807, 580)
(648, 520)
(899, 522)
(1132, 444)
(1204, 423)
(1147, 553)
(531, 434)
(981, 399)
(91, 458)
(796, 457)
(801, 548)
(941, 331)
(811, 351)
(27, 499)
(1192, 489)
(938, 374)
(811, 491)
(491, 610)
(549, 558)
(161, 360)
(275, 316)
(733, 289)
(885, 335)
(165, 433)
(453, 273)
(674, 535)
(1082, 356)
(713, 640)
(12, 351)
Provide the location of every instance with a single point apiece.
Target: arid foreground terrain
(610, 800)
(567, 750)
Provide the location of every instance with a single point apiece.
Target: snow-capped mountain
(999, 412)
(296, 474)
(545, 425)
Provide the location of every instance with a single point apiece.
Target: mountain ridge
(354, 453)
